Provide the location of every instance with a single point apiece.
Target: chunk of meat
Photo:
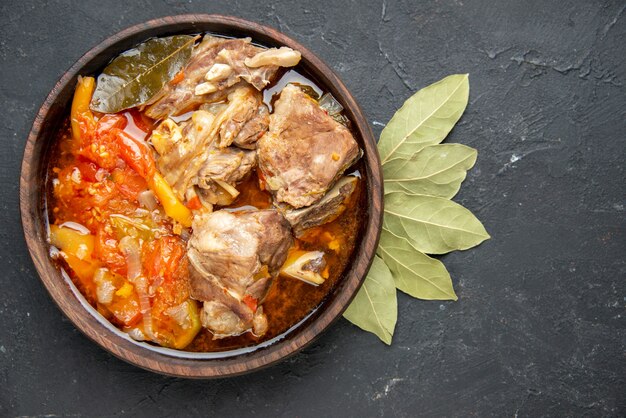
(189, 153)
(222, 170)
(223, 314)
(182, 149)
(305, 150)
(229, 165)
(326, 210)
(213, 81)
(243, 120)
(224, 322)
(233, 258)
(253, 129)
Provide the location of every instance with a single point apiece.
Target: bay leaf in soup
(375, 307)
(414, 272)
(137, 75)
(426, 118)
(436, 170)
(433, 225)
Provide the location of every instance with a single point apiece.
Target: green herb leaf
(425, 118)
(437, 170)
(420, 177)
(433, 225)
(138, 74)
(375, 307)
(414, 272)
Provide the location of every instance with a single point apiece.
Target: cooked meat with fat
(222, 170)
(182, 149)
(186, 149)
(326, 210)
(242, 120)
(253, 129)
(216, 65)
(224, 322)
(229, 165)
(305, 150)
(233, 257)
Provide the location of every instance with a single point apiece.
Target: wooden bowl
(172, 362)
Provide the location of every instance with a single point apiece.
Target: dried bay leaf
(436, 170)
(414, 272)
(433, 225)
(375, 307)
(425, 118)
(138, 74)
(420, 176)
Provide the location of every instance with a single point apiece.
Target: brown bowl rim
(31, 198)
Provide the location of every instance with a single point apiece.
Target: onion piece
(136, 334)
(76, 227)
(131, 250)
(306, 266)
(330, 104)
(101, 174)
(148, 200)
(104, 286)
(228, 188)
(180, 314)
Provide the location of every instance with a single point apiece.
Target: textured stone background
(539, 328)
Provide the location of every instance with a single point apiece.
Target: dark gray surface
(539, 328)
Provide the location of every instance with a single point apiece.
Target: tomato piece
(129, 183)
(134, 153)
(251, 302)
(194, 203)
(126, 310)
(175, 318)
(100, 149)
(180, 76)
(87, 170)
(161, 258)
(108, 122)
(107, 251)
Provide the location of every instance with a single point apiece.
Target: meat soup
(200, 219)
